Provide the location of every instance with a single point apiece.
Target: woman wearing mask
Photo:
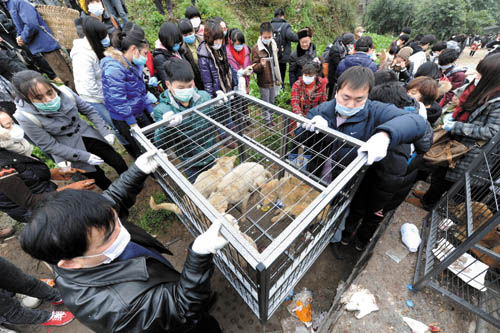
(125, 94)
(25, 179)
(425, 90)
(238, 54)
(94, 8)
(189, 36)
(50, 117)
(477, 119)
(85, 56)
(194, 16)
(305, 52)
(223, 26)
(169, 46)
(402, 66)
(212, 61)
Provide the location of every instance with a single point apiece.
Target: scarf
(459, 114)
(238, 56)
(225, 75)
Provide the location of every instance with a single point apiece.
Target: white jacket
(86, 71)
(418, 59)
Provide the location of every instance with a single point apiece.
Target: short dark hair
(430, 69)
(404, 38)
(406, 30)
(439, 46)
(212, 32)
(279, 12)
(392, 93)
(428, 39)
(426, 86)
(385, 76)
(364, 44)
(178, 70)
(236, 35)
(185, 26)
(447, 57)
(169, 35)
(60, 225)
(311, 67)
(266, 27)
(356, 77)
(191, 12)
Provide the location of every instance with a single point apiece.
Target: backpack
(279, 39)
(326, 52)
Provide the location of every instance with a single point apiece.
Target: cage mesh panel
(469, 212)
(237, 128)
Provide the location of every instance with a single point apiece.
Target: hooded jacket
(356, 59)
(265, 76)
(123, 87)
(86, 71)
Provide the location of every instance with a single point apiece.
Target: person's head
(5, 120)
(305, 36)
(488, 85)
(237, 39)
(353, 88)
(32, 87)
(180, 79)
(438, 48)
(187, 31)
(391, 93)
(222, 23)
(13, 140)
(74, 229)
(348, 40)
(424, 89)
(213, 35)
(403, 39)
(194, 16)
(427, 41)
(385, 76)
(94, 7)
(447, 58)
(132, 42)
(429, 69)
(404, 55)
(97, 35)
(280, 12)
(359, 31)
(170, 36)
(310, 71)
(364, 44)
(266, 32)
(406, 30)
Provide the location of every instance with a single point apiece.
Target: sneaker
(59, 318)
(337, 251)
(59, 302)
(31, 302)
(7, 232)
(6, 330)
(359, 245)
(346, 238)
(50, 282)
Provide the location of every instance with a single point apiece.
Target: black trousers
(109, 155)
(12, 281)
(439, 185)
(121, 125)
(168, 4)
(283, 73)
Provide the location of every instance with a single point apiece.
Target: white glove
(135, 127)
(172, 118)
(313, 124)
(448, 117)
(95, 160)
(220, 93)
(375, 148)
(448, 126)
(240, 72)
(146, 162)
(110, 138)
(210, 241)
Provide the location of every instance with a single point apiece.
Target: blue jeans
(115, 8)
(104, 113)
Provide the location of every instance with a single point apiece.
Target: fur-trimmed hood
(117, 55)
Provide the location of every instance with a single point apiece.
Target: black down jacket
(140, 294)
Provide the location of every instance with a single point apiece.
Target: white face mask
(217, 46)
(266, 41)
(96, 8)
(117, 248)
(308, 79)
(360, 34)
(195, 21)
(16, 133)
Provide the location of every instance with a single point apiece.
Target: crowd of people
(108, 271)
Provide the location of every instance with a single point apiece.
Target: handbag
(445, 151)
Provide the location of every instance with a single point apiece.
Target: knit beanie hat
(405, 53)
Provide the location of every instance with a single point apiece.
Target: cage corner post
(263, 285)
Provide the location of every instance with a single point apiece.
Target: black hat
(305, 32)
(347, 38)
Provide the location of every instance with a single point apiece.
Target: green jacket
(194, 135)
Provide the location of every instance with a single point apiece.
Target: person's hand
(110, 138)
(220, 93)
(316, 60)
(375, 148)
(19, 41)
(135, 127)
(448, 117)
(172, 118)
(95, 160)
(62, 174)
(151, 98)
(448, 126)
(153, 82)
(210, 241)
(314, 123)
(263, 61)
(87, 184)
(147, 163)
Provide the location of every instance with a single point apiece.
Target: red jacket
(302, 101)
(457, 78)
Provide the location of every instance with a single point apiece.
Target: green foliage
(145, 14)
(381, 42)
(44, 157)
(389, 16)
(475, 21)
(443, 18)
(155, 221)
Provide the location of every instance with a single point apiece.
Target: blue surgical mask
(176, 47)
(266, 41)
(52, 106)
(217, 46)
(106, 42)
(141, 61)
(184, 95)
(238, 48)
(347, 112)
(189, 39)
(446, 67)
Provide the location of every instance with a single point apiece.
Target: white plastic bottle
(410, 236)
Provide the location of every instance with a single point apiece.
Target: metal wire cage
(460, 256)
(279, 209)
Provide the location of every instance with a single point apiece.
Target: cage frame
(262, 261)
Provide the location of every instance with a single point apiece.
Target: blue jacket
(31, 27)
(356, 59)
(402, 126)
(123, 88)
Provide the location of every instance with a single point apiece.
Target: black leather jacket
(139, 294)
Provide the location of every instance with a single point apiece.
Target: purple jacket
(356, 59)
(209, 72)
(236, 65)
